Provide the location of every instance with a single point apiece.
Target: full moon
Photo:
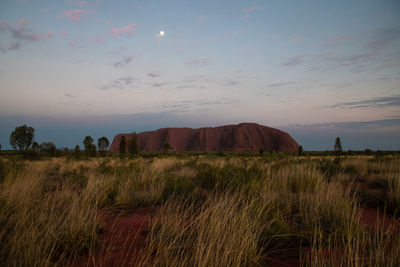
(162, 33)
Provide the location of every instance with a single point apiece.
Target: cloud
(353, 59)
(22, 22)
(357, 62)
(232, 82)
(280, 84)
(70, 96)
(153, 74)
(123, 62)
(383, 37)
(119, 83)
(21, 34)
(357, 125)
(295, 60)
(198, 62)
(97, 38)
(336, 37)
(74, 15)
(201, 20)
(80, 3)
(159, 84)
(246, 11)
(128, 29)
(11, 46)
(187, 105)
(379, 102)
(363, 60)
(72, 44)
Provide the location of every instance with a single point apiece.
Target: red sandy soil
(373, 221)
(122, 240)
(241, 137)
(275, 260)
(124, 236)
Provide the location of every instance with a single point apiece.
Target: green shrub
(177, 188)
(206, 176)
(330, 168)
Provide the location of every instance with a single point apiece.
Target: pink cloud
(74, 15)
(97, 38)
(45, 10)
(125, 29)
(248, 10)
(123, 62)
(21, 34)
(201, 20)
(22, 22)
(337, 37)
(81, 3)
(72, 44)
(295, 60)
(63, 34)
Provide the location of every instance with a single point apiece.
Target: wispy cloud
(70, 96)
(201, 20)
(336, 37)
(22, 22)
(74, 15)
(281, 84)
(356, 125)
(125, 60)
(356, 62)
(80, 3)
(159, 84)
(198, 62)
(232, 82)
(153, 74)
(379, 102)
(127, 30)
(383, 37)
(246, 11)
(295, 60)
(20, 34)
(119, 83)
(187, 105)
(362, 60)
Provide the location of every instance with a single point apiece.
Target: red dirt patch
(122, 240)
(374, 221)
(275, 260)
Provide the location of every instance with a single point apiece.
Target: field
(195, 210)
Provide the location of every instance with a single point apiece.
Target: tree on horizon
(102, 144)
(90, 148)
(338, 145)
(77, 152)
(22, 137)
(48, 147)
(300, 150)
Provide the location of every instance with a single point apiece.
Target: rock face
(241, 137)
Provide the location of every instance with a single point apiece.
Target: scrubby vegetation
(214, 210)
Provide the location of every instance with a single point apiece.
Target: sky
(316, 69)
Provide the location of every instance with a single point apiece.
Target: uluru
(240, 137)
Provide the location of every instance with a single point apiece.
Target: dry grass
(227, 211)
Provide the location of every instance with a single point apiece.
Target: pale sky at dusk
(316, 69)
